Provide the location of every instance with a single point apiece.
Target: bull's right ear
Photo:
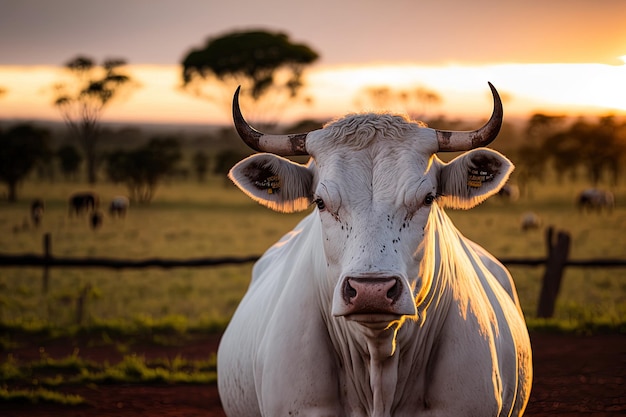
(275, 182)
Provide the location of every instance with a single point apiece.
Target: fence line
(555, 262)
(33, 260)
(580, 263)
(30, 260)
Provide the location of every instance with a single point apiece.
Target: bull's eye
(320, 203)
(429, 199)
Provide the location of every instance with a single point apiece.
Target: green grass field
(189, 220)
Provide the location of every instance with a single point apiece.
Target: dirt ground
(574, 376)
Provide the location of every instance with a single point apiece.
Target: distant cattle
(83, 202)
(95, 219)
(594, 199)
(509, 192)
(36, 211)
(119, 206)
(530, 221)
(375, 304)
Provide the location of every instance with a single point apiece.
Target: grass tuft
(132, 368)
(38, 396)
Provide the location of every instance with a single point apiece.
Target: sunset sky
(551, 56)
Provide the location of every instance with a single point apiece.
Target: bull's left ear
(275, 182)
(472, 177)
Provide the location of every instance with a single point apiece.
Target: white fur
(295, 183)
(465, 352)
(457, 194)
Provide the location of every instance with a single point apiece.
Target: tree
(21, 147)
(224, 161)
(44, 166)
(83, 100)
(598, 148)
(376, 97)
(418, 100)
(200, 163)
(564, 150)
(116, 166)
(530, 166)
(541, 126)
(143, 168)
(413, 102)
(69, 160)
(532, 157)
(265, 64)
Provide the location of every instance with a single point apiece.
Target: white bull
(375, 304)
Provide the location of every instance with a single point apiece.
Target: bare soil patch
(574, 376)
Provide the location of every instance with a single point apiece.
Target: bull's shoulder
(297, 247)
(497, 269)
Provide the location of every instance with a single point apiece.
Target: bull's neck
(383, 370)
(375, 362)
(369, 364)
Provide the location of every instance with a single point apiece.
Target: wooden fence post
(81, 302)
(556, 260)
(46, 267)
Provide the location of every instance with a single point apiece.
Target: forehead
(377, 133)
(375, 155)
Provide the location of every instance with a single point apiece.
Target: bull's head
(375, 179)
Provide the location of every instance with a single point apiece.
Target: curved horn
(284, 145)
(450, 141)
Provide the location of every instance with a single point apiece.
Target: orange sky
(552, 88)
(550, 56)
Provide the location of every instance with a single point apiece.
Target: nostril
(349, 292)
(394, 292)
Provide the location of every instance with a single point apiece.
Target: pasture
(191, 220)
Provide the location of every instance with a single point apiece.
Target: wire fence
(555, 262)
